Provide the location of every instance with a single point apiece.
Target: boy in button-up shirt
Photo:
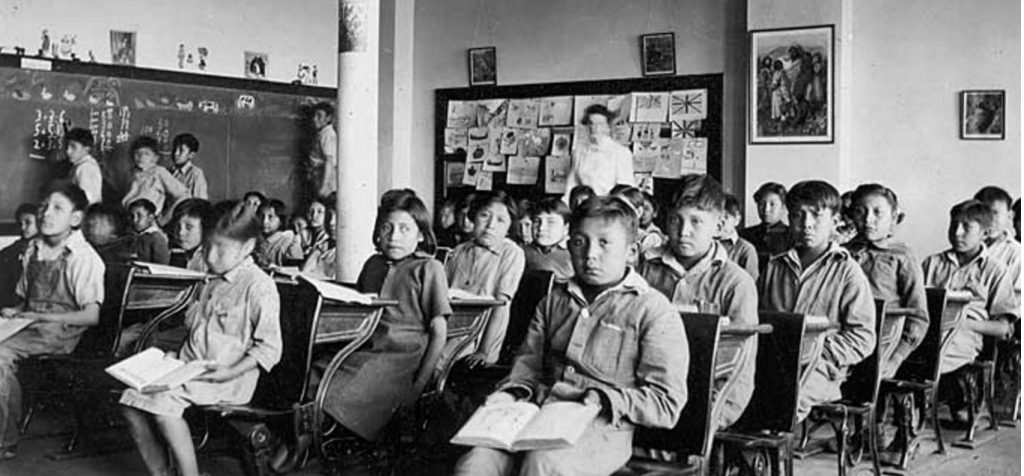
(694, 271)
(818, 277)
(604, 338)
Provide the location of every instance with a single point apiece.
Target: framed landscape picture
(792, 85)
(659, 54)
(983, 114)
(483, 66)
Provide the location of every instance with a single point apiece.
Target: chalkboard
(253, 135)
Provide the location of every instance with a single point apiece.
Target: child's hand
(499, 397)
(10, 312)
(565, 392)
(476, 359)
(216, 372)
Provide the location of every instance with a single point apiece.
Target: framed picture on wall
(792, 85)
(983, 114)
(658, 51)
(483, 66)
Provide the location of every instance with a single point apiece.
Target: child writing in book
(604, 338)
(890, 266)
(275, 245)
(185, 147)
(490, 264)
(740, 251)
(192, 219)
(694, 272)
(234, 323)
(549, 250)
(968, 266)
(150, 241)
(151, 181)
(397, 363)
(10, 257)
(61, 287)
(818, 277)
(85, 171)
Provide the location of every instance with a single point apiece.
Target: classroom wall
(905, 115)
(541, 41)
(289, 31)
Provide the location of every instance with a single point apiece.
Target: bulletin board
(520, 138)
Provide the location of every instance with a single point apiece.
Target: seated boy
(85, 170)
(151, 181)
(10, 257)
(548, 252)
(185, 147)
(818, 277)
(771, 236)
(696, 274)
(150, 241)
(1001, 242)
(740, 251)
(604, 338)
(104, 230)
(969, 266)
(61, 288)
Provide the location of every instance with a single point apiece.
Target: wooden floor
(1001, 456)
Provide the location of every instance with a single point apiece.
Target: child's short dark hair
(608, 208)
(80, 135)
(484, 200)
(599, 109)
(196, 208)
(412, 205)
(581, 191)
(992, 194)
(732, 206)
(277, 205)
(868, 189)
(26, 209)
(700, 191)
(554, 206)
(145, 142)
(973, 210)
(818, 194)
(325, 107)
(254, 193)
(144, 204)
(115, 215)
(73, 193)
(187, 140)
(238, 224)
(634, 196)
(769, 188)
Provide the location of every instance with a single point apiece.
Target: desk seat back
(772, 406)
(923, 363)
(533, 287)
(861, 386)
(285, 384)
(100, 341)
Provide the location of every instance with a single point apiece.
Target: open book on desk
(152, 371)
(461, 295)
(337, 292)
(165, 270)
(9, 327)
(523, 426)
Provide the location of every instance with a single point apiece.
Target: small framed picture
(659, 54)
(483, 66)
(122, 47)
(983, 114)
(256, 65)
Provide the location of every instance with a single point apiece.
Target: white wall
(290, 31)
(543, 41)
(912, 59)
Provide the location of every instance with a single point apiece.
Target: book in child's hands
(9, 327)
(523, 426)
(152, 371)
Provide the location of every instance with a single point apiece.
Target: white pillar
(358, 72)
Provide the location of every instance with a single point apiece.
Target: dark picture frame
(658, 54)
(791, 99)
(983, 114)
(483, 66)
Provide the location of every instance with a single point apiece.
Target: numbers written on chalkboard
(161, 131)
(47, 132)
(110, 126)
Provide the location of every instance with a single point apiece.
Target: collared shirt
(629, 344)
(743, 253)
(1007, 251)
(324, 153)
(555, 259)
(84, 267)
(602, 166)
(193, 179)
(896, 278)
(87, 176)
(833, 286)
(159, 187)
(983, 276)
(152, 246)
(236, 315)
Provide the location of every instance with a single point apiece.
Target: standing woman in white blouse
(599, 161)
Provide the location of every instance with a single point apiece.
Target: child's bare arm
(438, 336)
(87, 316)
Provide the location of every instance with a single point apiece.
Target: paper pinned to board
(523, 113)
(523, 170)
(649, 107)
(555, 111)
(461, 114)
(688, 105)
(694, 155)
(556, 173)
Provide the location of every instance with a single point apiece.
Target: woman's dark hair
(597, 109)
